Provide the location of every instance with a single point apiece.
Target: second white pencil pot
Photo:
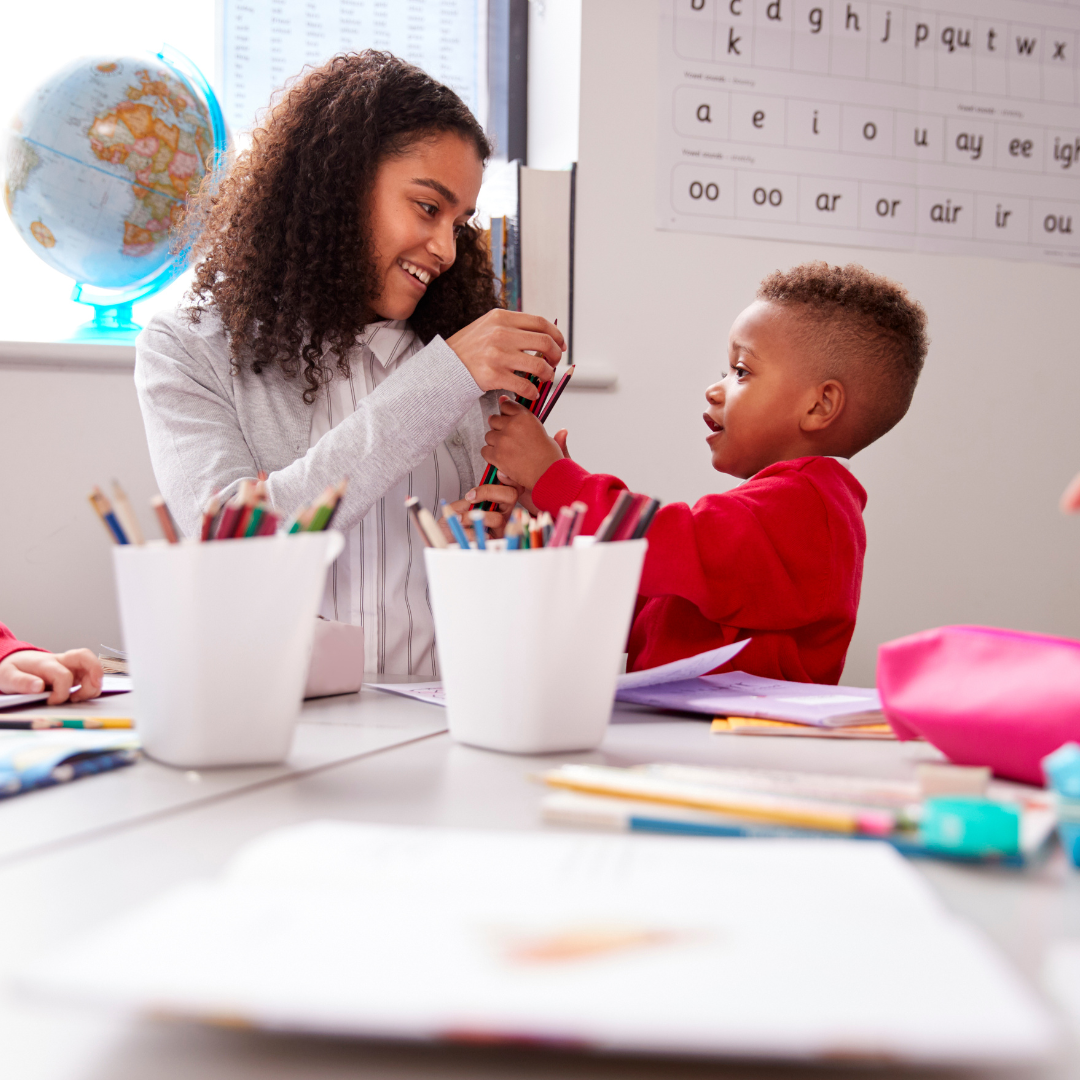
(218, 637)
(530, 642)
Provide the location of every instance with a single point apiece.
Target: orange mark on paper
(584, 942)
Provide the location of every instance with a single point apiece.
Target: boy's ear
(828, 404)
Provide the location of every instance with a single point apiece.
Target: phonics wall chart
(266, 42)
(946, 127)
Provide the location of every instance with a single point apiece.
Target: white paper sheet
(690, 668)
(919, 126)
(779, 949)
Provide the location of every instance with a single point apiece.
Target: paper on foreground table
(631, 944)
(738, 694)
(689, 668)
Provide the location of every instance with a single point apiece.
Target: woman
(345, 324)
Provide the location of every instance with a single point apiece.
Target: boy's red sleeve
(9, 643)
(756, 557)
(566, 481)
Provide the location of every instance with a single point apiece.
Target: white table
(67, 887)
(332, 730)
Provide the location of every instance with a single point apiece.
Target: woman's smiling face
(418, 202)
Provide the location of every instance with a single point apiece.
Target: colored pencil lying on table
(45, 723)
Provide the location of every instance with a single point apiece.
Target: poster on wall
(941, 127)
(265, 43)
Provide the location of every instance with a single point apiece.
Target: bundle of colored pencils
(319, 515)
(629, 520)
(540, 408)
(248, 513)
(120, 521)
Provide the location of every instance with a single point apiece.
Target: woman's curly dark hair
(283, 245)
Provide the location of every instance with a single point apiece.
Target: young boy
(823, 362)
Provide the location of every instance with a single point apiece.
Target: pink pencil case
(984, 696)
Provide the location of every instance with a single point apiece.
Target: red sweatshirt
(778, 559)
(9, 643)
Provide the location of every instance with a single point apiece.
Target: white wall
(62, 430)
(961, 520)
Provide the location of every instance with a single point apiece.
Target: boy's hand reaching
(518, 445)
(503, 499)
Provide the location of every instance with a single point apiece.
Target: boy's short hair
(871, 334)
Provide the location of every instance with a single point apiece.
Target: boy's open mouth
(713, 425)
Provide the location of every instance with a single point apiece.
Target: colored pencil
(645, 520)
(562, 527)
(760, 806)
(538, 404)
(230, 514)
(431, 528)
(165, 519)
(210, 512)
(456, 527)
(255, 521)
(630, 518)
(546, 412)
(341, 488)
(250, 491)
(269, 524)
(128, 521)
(580, 510)
(45, 723)
(547, 528)
(610, 525)
(103, 509)
(479, 529)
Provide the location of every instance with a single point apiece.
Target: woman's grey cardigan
(209, 429)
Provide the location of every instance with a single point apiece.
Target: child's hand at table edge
(29, 671)
(518, 445)
(503, 498)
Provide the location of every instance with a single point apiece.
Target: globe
(98, 164)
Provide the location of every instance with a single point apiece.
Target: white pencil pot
(530, 642)
(218, 637)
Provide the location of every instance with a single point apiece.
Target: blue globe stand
(109, 324)
(113, 321)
